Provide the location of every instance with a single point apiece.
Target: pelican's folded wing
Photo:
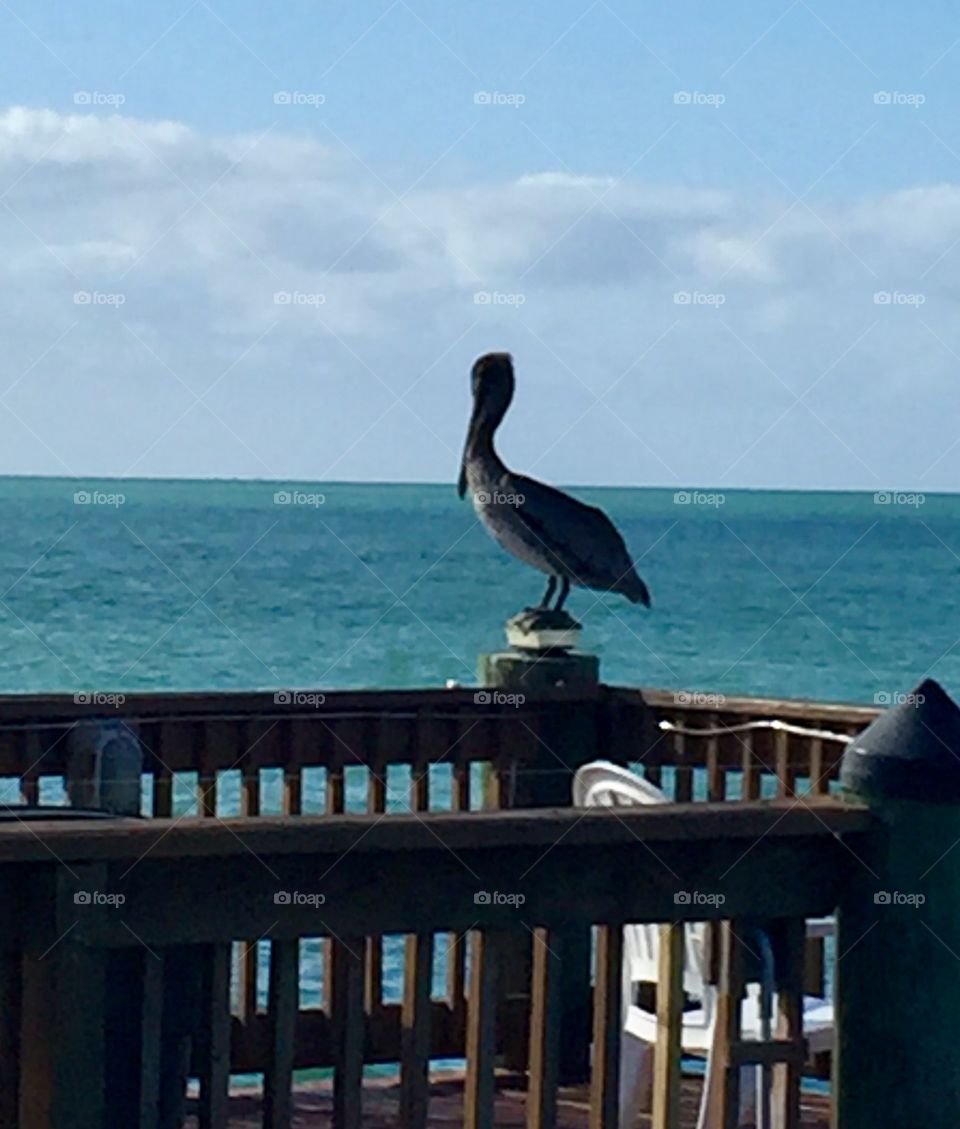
(581, 537)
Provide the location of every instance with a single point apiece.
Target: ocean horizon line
(659, 488)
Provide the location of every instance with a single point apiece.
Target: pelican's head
(492, 376)
(491, 379)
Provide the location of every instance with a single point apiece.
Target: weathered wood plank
(39, 1018)
(564, 879)
(244, 737)
(819, 777)
(456, 942)
(63, 1012)
(11, 998)
(28, 752)
(666, 1063)
(481, 1032)
(415, 1032)
(814, 966)
(724, 1100)
(716, 777)
(735, 823)
(335, 799)
(786, 770)
(348, 1020)
(607, 1029)
(544, 1031)
(162, 793)
(751, 768)
(219, 744)
(151, 1023)
(212, 1108)
(373, 977)
(53, 709)
(78, 1068)
(281, 1019)
(789, 1026)
(683, 790)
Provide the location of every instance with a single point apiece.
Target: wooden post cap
(910, 752)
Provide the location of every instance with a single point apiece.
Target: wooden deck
(313, 1106)
(217, 880)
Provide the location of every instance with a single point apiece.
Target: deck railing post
(104, 771)
(566, 737)
(898, 930)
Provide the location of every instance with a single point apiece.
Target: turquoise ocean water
(215, 585)
(117, 586)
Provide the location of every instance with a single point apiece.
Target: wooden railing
(194, 886)
(266, 753)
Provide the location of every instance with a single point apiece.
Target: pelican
(571, 542)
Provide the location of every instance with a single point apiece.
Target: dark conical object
(910, 752)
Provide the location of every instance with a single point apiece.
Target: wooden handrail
(134, 840)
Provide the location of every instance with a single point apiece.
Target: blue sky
(781, 164)
(598, 80)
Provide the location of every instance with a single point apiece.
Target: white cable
(780, 726)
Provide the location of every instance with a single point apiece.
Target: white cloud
(198, 234)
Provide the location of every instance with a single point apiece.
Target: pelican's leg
(548, 595)
(564, 593)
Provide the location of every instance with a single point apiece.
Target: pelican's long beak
(471, 430)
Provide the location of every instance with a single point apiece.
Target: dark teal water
(201, 585)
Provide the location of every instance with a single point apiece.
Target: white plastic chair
(603, 784)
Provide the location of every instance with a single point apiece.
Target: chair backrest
(604, 784)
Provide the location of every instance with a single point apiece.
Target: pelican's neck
(480, 446)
